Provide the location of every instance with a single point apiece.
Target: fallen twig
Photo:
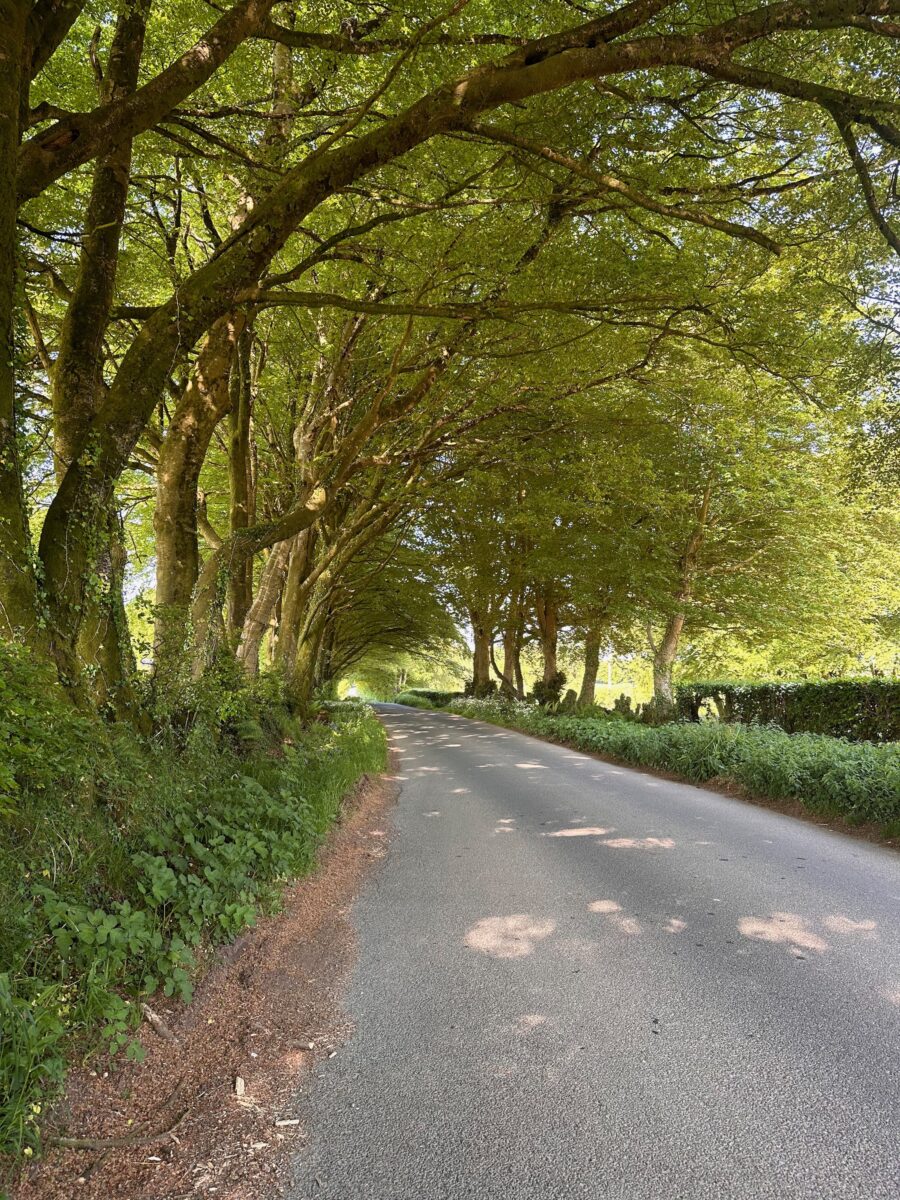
(159, 1025)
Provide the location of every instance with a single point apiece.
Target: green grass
(122, 859)
(856, 781)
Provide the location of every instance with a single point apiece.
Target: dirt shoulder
(211, 1112)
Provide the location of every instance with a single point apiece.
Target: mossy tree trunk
(240, 482)
(19, 610)
(100, 638)
(591, 666)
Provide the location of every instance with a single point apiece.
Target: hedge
(858, 709)
(433, 699)
(859, 782)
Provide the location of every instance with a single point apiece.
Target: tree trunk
(292, 599)
(309, 642)
(481, 657)
(262, 610)
(203, 404)
(95, 630)
(591, 667)
(240, 479)
(547, 619)
(105, 644)
(664, 655)
(19, 615)
(511, 674)
(77, 383)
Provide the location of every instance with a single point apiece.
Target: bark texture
(18, 592)
(591, 667)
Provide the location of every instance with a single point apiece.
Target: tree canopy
(334, 328)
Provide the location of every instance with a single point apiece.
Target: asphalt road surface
(576, 980)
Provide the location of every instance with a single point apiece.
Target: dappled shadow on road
(508, 937)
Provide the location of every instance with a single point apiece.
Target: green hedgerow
(857, 781)
(122, 857)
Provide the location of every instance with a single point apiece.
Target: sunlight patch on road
(584, 831)
(783, 928)
(841, 924)
(675, 925)
(508, 937)
(613, 912)
(530, 1022)
(526, 766)
(647, 843)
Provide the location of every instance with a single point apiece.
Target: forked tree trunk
(97, 638)
(591, 667)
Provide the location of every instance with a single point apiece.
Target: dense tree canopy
(326, 320)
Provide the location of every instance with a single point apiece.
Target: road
(577, 980)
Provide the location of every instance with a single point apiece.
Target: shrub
(480, 690)
(121, 858)
(828, 775)
(547, 692)
(858, 709)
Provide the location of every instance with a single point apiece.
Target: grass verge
(856, 782)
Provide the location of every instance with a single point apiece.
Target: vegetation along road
(580, 980)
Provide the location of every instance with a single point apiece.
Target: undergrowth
(858, 782)
(123, 858)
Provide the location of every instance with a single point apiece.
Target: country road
(576, 980)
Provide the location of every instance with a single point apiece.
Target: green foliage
(828, 775)
(858, 709)
(41, 737)
(122, 858)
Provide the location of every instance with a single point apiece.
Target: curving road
(576, 980)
